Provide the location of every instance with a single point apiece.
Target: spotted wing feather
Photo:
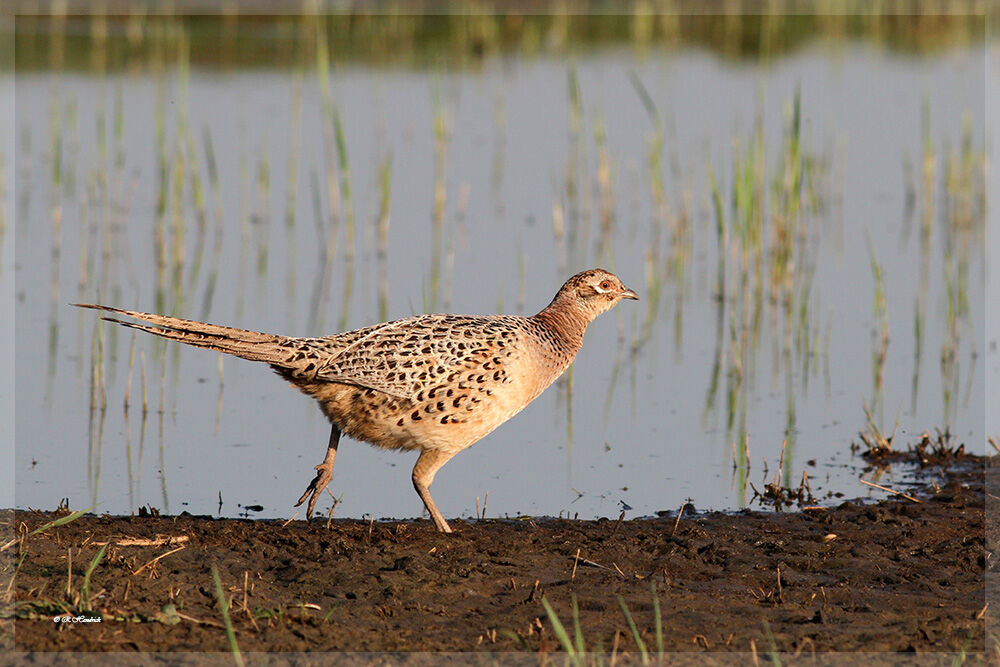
(403, 357)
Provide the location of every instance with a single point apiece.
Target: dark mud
(896, 576)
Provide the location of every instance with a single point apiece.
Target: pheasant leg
(324, 473)
(429, 462)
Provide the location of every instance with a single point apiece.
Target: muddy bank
(896, 576)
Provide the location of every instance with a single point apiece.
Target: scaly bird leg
(429, 462)
(324, 473)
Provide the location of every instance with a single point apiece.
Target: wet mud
(897, 576)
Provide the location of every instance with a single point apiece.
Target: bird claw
(315, 488)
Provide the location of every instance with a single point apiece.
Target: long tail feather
(243, 343)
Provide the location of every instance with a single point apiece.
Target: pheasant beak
(629, 294)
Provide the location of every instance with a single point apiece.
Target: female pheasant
(434, 383)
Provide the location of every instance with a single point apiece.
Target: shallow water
(638, 423)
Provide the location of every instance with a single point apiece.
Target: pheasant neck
(567, 323)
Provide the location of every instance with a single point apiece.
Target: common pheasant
(434, 383)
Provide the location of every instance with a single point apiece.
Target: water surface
(500, 182)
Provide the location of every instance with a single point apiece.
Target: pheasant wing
(403, 357)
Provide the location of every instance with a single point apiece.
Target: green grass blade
(644, 96)
(62, 521)
(635, 631)
(577, 630)
(772, 651)
(657, 620)
(560, 631)
(90, 570)
(230, 633)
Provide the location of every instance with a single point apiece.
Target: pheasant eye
(606, 285)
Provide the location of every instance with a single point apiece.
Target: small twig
(575, 562)
(290, 520)
(898, 493)
(157, 559)
(590, 563)
(214, 624)
(158, 541)
(680, 513)
(621, 517)
(246, 576)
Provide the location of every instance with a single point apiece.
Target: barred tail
(239, 342)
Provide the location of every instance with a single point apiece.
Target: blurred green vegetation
(52, 36)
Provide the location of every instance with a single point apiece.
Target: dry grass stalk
(878, 443)
(680, 513)
(158, 541)
(157, 559)
(885, 488)
(621, 517)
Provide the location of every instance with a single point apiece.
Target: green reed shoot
(881, 334)
(213, 181)
(635, 631)
(577, 628)
(663, 216)
(348, 211)
(292, 186)
(441, 132)
(772, 651)
(345, 185)
(263, 211)
(128, 381)
(224, 605)
(574, 651)
(576, 158)
(85, 589)
(559, 234)
(178, 228)
(61, 521)
(200, 206)
(245, 219)
(382, 249)
(720, 234)
(321, 289)
(606, 196)
(657, 622)
(575, 100)
(162, 197)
